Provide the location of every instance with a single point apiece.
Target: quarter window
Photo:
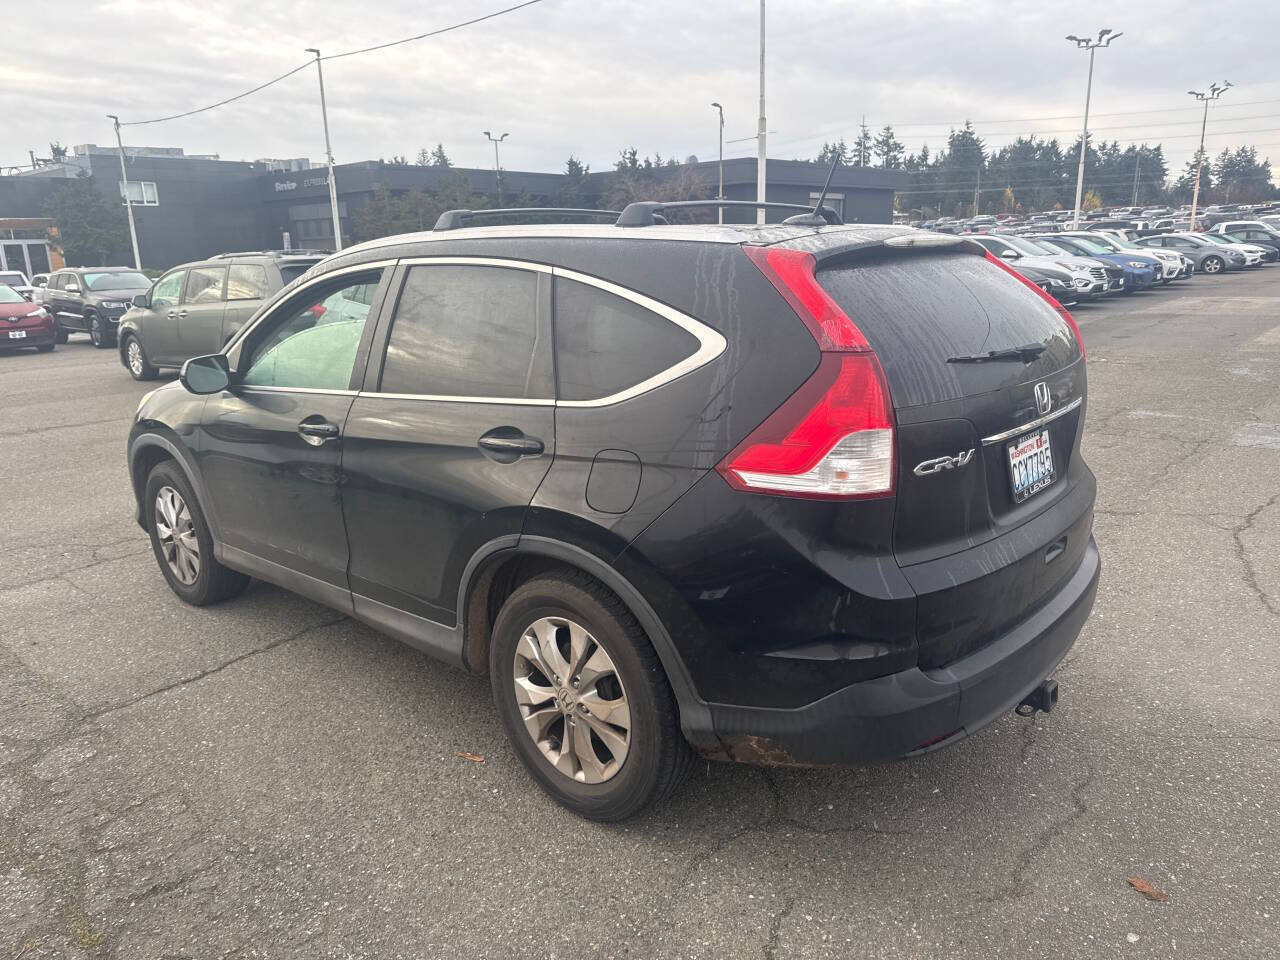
(204, 285)
(605, 344)
(313, 343)
(247, 281)
(467, 331)
(165, 293)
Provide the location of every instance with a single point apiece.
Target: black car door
(270, 444)
(450, 438)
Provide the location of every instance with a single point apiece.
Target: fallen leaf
(478, 758)
(1147, 890)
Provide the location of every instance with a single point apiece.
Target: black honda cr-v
(786, 494)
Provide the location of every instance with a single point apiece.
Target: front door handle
(316, 431)
(509, 444)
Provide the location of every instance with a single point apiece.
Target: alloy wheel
(571, 700)
(1212, 265)
(134, 354)
(177, 534)
(95, 331)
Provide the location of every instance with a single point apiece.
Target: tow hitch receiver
(1041, 699)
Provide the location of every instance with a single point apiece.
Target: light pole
(328, 153)
(1104, 40)
(1214, 93)
(720, 192)
(497, 167)
(761, 163)
(128, 201)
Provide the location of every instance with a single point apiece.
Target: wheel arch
(501, 565)
(149, 449)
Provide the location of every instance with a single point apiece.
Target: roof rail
(647, 213)
(306, 252)
(456, 219)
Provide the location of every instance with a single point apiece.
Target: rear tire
(135, 359)
(182, 541)
(59, 335)
(618, 677)
(45, 347)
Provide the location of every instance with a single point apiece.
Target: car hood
(15, 311)
(125, 295)
(1064, 262)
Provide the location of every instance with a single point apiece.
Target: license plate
(17, 334)
(1031, 464)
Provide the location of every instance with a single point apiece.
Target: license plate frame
(1031, 464)
(17, 334)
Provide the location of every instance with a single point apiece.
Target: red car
(23, 323)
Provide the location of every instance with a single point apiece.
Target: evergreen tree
(889, 152)
(92, 229)
(439, 158)
(862, 147)
(573, 192)
(829, 152)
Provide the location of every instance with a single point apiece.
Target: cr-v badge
(939, 464)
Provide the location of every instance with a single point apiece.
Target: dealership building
(190, 207)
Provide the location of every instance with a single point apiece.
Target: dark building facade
(189, 207)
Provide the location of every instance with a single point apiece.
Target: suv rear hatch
(981, 545)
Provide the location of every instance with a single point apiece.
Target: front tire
(98, 334)
(584, 698)
(182, 541)
(1213, 265)
(45, 347)
(135, 359)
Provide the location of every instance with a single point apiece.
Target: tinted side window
(204, 284)
(463, 331)
(606, 344)
(247, 281)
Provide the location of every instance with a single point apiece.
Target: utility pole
(720, 192)
(977, 189)
(1104, 40)
(497, 167)
(761, 162)
(128, 202)
(1214, 93)
(328, 152)
(1137, 171)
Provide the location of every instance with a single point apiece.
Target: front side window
(247, 281)
(204, 285)
(606, 344)
(165, 293)
(311, 341)
(466, 331)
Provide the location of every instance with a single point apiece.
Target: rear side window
(247, 281)
(919, 311)
(204, 284)
(464, 331)
(606, 344)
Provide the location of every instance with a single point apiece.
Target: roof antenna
(817, 217)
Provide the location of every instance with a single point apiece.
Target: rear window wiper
(1025, 353)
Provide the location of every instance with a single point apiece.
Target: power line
(335, 56)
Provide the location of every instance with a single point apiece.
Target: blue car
(1141, 272)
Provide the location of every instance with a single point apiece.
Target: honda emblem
(1044, 399)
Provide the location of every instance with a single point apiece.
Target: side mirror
(72, 287)
(1009, 254)
(203, 375)
(140, 300)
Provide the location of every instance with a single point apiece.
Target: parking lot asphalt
(266, 778)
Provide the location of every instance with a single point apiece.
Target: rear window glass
(918, 311)
(605, 344)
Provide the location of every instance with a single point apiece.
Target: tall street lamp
(1214, 93)
(328, 153)
(720, 192)
(497, 167)
(1104, 40)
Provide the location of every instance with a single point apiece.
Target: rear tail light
(1044, 295)
(833, 437)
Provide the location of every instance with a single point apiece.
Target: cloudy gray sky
(588, 77)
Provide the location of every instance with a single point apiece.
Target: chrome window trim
(710, 342)
(441, 398)
(465, 261)
(1032, 424)
(255, 388)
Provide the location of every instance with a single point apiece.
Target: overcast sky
(588, 77)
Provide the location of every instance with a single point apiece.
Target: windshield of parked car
(1083, 245)
(10, 295)
(1196, 238)
(13, 279)
(1037, 249)
(1106, 243)
(1023, 246)
(116, 281)
(1057, 246)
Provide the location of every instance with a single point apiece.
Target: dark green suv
(194, 309)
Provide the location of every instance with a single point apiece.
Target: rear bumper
(915, 710)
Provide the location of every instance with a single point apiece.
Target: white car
(18, 280)
(38, 281)
(1229, 225)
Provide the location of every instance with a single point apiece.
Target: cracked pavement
(266, 778)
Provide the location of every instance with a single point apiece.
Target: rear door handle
(181, 314)
(316, 431)
(508, 444)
